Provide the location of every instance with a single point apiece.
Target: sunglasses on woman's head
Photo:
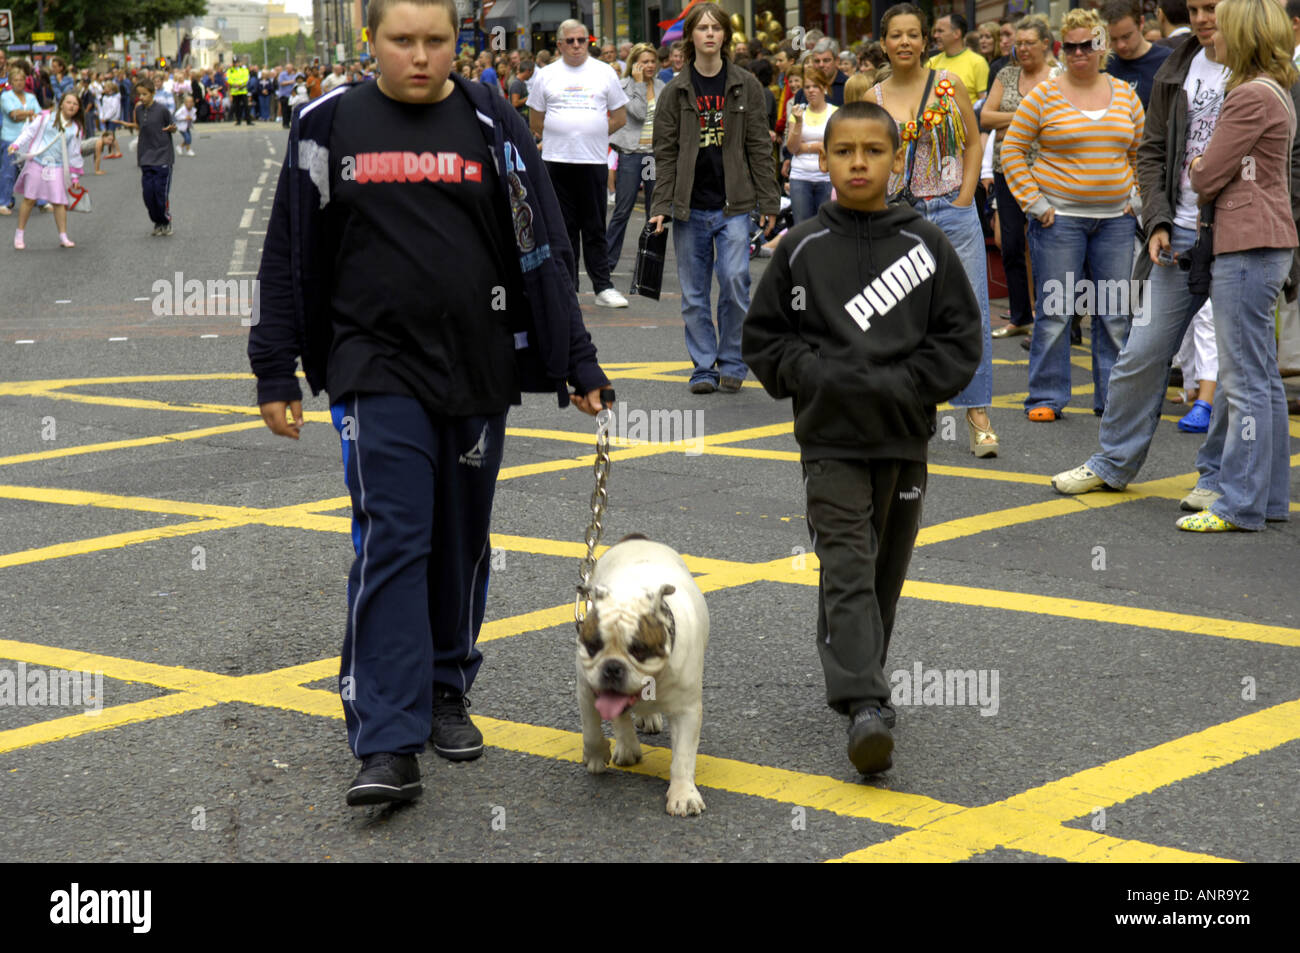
(1084, 47)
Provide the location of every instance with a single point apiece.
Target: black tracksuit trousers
(863, 517)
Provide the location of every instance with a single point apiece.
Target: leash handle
(599, 500)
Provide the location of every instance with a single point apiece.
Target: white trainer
(1078, 480)
(1198, 500)
(609, 298)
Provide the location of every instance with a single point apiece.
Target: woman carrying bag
(634, 143)
(50, 147)
(1244, 172)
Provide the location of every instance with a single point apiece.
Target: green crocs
(1205, 522)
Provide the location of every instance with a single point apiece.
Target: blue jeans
(1140, 376)
(634, 171)
(806, 197)
(709, 242)
(8, 173)
(1060, 254)
(1255, 478)
(962, 226)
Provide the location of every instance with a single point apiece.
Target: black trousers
(239, 105)
(1011, 221)
(285, 112)
(581, 191)
(863, 517)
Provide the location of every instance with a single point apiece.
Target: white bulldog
(641, 653)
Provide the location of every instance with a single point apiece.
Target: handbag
(78, 197)
(904, 195)
(648, 276)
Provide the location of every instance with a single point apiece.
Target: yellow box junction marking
(1031, 821)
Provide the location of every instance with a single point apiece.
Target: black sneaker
(454, 736)
(871, 745)
(385, 777)
(888, 715)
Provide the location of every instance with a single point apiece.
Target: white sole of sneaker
(384, 793)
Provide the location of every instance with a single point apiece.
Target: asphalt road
(151, 529)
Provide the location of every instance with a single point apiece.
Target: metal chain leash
(599, 500)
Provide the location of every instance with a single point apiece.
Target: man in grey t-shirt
(155, 155)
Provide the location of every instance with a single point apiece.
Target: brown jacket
(747, 163)
(1244, 170)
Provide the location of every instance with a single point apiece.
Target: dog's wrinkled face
(624, 644)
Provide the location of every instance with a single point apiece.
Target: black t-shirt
(425, 273)
(710, 189)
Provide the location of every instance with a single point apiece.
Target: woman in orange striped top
(1087, 126)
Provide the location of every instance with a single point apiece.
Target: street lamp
(285, 50)
(262, 30)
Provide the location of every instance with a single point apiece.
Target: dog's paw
(626, 754)
(684, 799)
(650, 724)
(596, 758)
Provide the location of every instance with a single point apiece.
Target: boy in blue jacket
(865, 317)
(416, 260)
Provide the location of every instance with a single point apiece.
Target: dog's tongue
(612, 704)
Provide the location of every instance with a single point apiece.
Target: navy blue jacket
(291, 315)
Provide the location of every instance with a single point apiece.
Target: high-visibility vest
(237, 77)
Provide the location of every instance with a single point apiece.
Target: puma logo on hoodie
(893, 285)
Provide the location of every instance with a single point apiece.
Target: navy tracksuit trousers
(156, 181)
(422, 490)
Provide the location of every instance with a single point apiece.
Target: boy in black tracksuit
(416, 262)
(865, 317)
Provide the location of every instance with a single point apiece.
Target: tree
(98, 21)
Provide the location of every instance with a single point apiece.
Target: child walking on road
(153, 122)
(419, 384)
(866, 319)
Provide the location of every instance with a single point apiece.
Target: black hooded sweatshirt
(868, 321)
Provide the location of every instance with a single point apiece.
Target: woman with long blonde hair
(1245, 172)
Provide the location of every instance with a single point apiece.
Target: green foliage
(98, 21)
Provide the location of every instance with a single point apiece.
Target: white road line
(237, 257)
(207, 335)
(141, 299)
(117, 339)
(24, 342)
(63, 301)
(255, 232)
(231, 274)
(255, 196)
(261, 179)
(247, 218)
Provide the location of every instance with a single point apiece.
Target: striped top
(1085, 166)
